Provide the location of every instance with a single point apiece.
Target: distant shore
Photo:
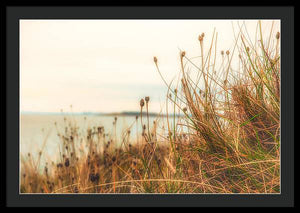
(125, 113)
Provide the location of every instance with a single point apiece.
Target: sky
(107, 65)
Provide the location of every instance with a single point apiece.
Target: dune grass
(226, 141)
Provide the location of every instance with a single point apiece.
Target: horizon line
(128, 113)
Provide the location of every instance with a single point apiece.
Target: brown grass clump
(227, 139)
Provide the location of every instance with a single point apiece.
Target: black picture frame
(10, 149)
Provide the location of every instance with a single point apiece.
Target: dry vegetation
(230, 142)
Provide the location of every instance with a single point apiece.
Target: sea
(40, 132)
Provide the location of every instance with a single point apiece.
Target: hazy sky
(107, 65)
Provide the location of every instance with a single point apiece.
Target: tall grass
(227, 141)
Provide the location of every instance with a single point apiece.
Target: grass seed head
(142, 102)
(182, 54)
(200, 38)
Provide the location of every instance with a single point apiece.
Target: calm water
(38, 132)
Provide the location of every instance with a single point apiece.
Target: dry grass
(228, 140)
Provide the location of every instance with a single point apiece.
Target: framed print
(149, 106)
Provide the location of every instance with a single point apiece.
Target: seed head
(67, 162)
(184, 109)
(94, 177)
(147, 99)
(227, 52)
(277, 35)
(200, 38)
(155, 59)
(142, 102)
(222, 52)
(182, 54)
